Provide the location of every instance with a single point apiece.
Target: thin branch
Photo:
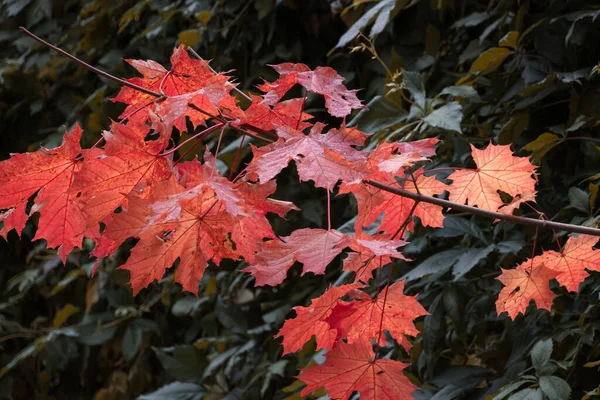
(235, 89)
(266, 136)
(485, 213)
(203, 133)
(88, 66)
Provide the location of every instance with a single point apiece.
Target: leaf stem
(205, 132)
(485, 213)
(235, 159)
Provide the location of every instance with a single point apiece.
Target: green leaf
(540, 354)
(183, 364)
(413, 82)
(442, 261)
(469, 260)
(513, 129)
(131, 342)
(381, 113)
(455, 226)
(508, 389)
(555, 388)
(528, 394)
(176, 391)
(464, 91)
(579, 199)
(382, 10)
(447, 117)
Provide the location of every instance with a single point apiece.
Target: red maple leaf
(188, 81)
(323, 80)
(323, 158)
(352, 368)
(371, 253)
(573, 260)
(384, 164)
(315, 248)
(206, 218)
(497, 169)
(529, 281)
(310, 321)
(364, 318)
(285, 113)
(49, 173)
(130, 165)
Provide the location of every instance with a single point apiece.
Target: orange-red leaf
(529, 281)
(323, 80)
(352, 368)
(394, 312)
(310, 321)
(497, 169)
(130, 165)
(315, 248)
(188, 81)
(323, 158)
(571, 263)
(371, 253)
(49, 173)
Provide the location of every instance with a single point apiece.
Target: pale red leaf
(571, 263)
(528, 282)
(315, 248)
(310, 321)
(322, 158)
(361, 320)
(497, 169)
(352, 368)
(323, 80)
(49, 173)
(130, 165)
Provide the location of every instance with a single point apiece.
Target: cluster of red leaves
(131, 187)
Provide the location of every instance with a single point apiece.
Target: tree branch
(159, 96)
(88, 66)
(485, 213)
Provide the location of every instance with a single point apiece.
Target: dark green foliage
(533, 68)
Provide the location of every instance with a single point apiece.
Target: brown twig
(258, 132)
(485, 213)
(88, 66)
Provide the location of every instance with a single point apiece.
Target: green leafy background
(513, 72)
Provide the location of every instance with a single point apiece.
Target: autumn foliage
(186, 213)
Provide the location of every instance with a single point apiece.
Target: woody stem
(88, 66)
(485, 213)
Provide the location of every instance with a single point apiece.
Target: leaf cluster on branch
(131, 185)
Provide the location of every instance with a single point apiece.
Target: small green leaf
(555, 388)
(381, 113)
(447, 117)
(579, 199)
(528, 394)
(464, 91)
(176, 391)
(132, 340)
(540, 354)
